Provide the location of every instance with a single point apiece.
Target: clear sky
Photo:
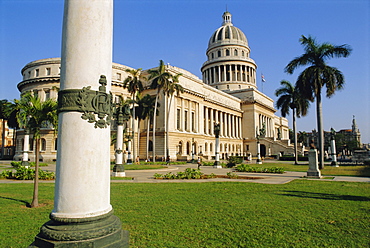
(177, 31)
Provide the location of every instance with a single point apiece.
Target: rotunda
(228, 66)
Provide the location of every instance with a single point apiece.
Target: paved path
(146, 176)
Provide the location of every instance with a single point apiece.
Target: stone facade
(227, 95)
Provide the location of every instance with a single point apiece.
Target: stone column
(82, 214)
(333, 154)
(313, 165)
(259, 161)
(26, 148)
(217, 147)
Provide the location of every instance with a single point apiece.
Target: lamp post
(333, 149)
(217, 146)
(192, 151)
(82, 215)
(259, 161)
(122, 114)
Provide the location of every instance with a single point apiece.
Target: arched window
(227, 52)
(211, 147)
(43, 145)
(180, 148)
(188, 148)
(242, 53)
(31, 145)
(218, 53)
(150, 145)
(56, 144)
(206, 147)
(235, 52)
(213, 55)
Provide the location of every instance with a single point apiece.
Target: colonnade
(269, 125)
(230, 124)
(187, 115)
(233, 72)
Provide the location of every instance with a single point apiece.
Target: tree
(173, 87)
(4, 118)
(145, 109)
(317, 75)
(33, 115)
(160, 79)
(291, 98)
(134, 85)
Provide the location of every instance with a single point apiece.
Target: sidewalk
(146, 176)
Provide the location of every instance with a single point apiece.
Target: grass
(359, 170)
(302, 213)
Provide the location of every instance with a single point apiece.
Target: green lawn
(344, 170)
(302, 213)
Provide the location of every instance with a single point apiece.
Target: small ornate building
(227, 95)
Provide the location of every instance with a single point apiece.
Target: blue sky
(177, 31)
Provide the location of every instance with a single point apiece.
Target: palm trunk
(133, 129)
(3, 140)
(154, 121)
(35, 200)
(295, 136)
(147, 138)
(167, 133)
(138, 137)
(320, 130)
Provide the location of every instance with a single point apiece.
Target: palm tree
(312, 79)
(134, 85)
(4, 118)
(290, 98)
(173, 87)
(33, 115)
(160, 79)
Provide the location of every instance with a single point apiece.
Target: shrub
(23, 173)
(247, 168)
(234, 160)
(232, 175)
(189, 173)
(16, 164)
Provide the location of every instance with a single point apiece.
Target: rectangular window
(193, 121)
(186, 120)
(119, 76)
(178, 116)
(47, 94)
(37, 72)
(48, 71)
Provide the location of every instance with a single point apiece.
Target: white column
(212, 122)
(26, 147)
(206, 118)
(82, 186)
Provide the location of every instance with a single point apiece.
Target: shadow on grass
(25, 202)
(304, 194)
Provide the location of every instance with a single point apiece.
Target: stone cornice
(248, 101)
(37, 80)
(41, 62)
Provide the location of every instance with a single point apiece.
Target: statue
(263, 130)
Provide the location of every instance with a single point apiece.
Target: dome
(227, 34)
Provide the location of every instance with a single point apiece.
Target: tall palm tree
(33, 115)
(134, 85)
(4, 118)
(290, 98)
(173, 87)
(317, 75)
(160, 79)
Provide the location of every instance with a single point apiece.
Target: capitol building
(227, 94)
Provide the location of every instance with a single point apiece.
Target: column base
(334, 164)
(101, 231)
(118, 171)
(314, 174)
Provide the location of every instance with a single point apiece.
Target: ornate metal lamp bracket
(96, 106)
